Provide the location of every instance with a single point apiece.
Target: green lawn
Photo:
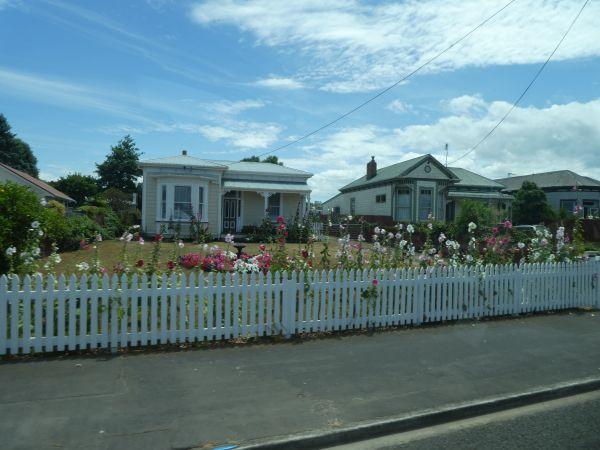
(110, 253)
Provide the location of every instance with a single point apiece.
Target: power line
(379, 94)
(538, 73)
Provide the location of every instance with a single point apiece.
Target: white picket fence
(52, 315)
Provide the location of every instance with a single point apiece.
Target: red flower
(304, 253)
(280, 219)
(262, 247)
(170, 265)
(285, 233)
(158, 237)
(140, 263)
(375, 282)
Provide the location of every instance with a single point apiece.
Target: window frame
(279, 207)
(380, 198)
(352, 206)
(408, 192)
(169, 186)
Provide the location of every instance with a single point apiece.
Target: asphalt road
(568, 423)
(238, 394)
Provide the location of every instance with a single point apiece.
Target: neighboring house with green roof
(411, 190)
(564, 190)
(225, 196)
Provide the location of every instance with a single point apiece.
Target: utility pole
(446, 154)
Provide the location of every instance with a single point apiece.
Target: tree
(15, 152)
(77, 186)
(272, 159)
(120, 168)
(531, 206)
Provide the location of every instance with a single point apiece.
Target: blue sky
(227, 79)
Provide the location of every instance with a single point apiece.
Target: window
(403, 211)
(568, 205)
(590, 208)
(352, 206)
(182, 204)
(274, 206)
(336, 210)
(380, 198)
(200, 212)
(425, 203)
(163, 202)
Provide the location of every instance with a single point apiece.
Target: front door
(231, 211)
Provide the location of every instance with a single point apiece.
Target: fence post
(518, 287)
(420, 291)
(289, 303)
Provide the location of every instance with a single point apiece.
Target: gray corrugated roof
(557, 178)
(261, 167)
(182, 160)
(266, 186)
(39, 183)
(390, 172)
(468, 178)
(232, 166)
(471, 194)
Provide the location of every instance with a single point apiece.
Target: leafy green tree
(77, 186)
(531, 206)
(120, 168)
(269, 159)
(14, 151)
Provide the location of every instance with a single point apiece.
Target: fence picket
(3, 314)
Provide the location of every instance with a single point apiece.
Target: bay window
(180, 201)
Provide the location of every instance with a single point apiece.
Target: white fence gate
(51, 315)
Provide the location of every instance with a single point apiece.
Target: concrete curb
(427, 418)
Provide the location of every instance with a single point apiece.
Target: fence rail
(61, 314)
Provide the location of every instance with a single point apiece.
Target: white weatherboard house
(411, 190)
(225, 196)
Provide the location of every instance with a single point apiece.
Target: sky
(226, 79)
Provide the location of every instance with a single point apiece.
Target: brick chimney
(371, 168)
(184, 152)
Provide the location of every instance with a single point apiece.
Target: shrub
(19, 208)
(472, 211)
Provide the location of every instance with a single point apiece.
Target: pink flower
(375, 282)
(507, 224)
(262, 247)
(495, 230)
(280, 219)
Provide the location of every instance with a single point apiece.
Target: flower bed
(396, 248)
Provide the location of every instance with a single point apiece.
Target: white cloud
(399, 107)
(279, 83)
(229, 107)
(249, 135)
(465, 104)
(352, 45)
(560, 136)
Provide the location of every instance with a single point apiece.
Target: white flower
(472, 226)
(521, 245)
(180, 244)
(399, 226)
(410, 228)
(430, 226)
(469, 258)
(10, 251)
(35, 224)
(441, 238)
(36, 251)
(40, 232)
(398, 235)
(376, 230)
(360, 238)
(43, 202)
(83, 266)
(432, 251)
(205, 247)
(98, 238)
(382, 231)
(129, 237)
(135, 227)
(390, 235)
(402, 243)
(544, 242)
(349, 217)
(229, 238)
